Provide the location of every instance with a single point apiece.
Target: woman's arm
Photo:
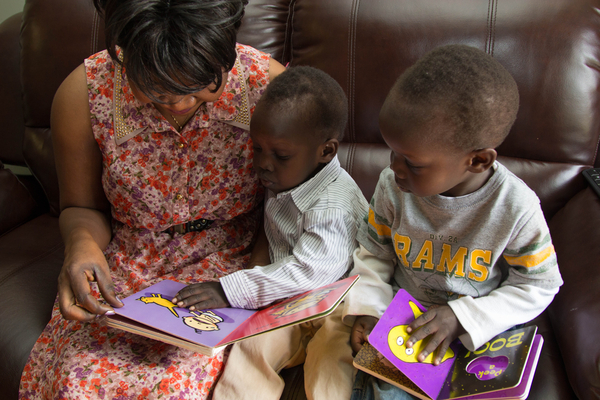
(84, 222)
(275, 68)
(260, 251)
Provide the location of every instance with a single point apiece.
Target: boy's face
(426, 168)
(286, 153)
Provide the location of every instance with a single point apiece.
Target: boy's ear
(482, 160)
(328, 150)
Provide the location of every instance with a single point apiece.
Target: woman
(152, 131)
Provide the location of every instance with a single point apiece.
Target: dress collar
(132, 117)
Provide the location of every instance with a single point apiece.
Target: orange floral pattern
(157, 178)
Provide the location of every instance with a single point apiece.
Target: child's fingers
(186, 292)
(434, 342)
(420, 321)
(441, 352)
(419, 334)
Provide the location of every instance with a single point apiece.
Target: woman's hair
(173, 46)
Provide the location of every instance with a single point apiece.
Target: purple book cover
(496, 366)
(521, 391)
(389, 337)
(152, 306)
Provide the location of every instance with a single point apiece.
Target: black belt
(191, 226)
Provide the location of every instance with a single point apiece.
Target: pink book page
(294, 310)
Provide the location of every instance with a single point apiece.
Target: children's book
(503, 368)
(151, 313)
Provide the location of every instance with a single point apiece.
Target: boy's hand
(441, 322)
(360, 331)
(201, 296)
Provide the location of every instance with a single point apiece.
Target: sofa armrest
(31, 256)
(16, 203)
(575, 312)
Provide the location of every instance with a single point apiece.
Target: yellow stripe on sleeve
(382, 230)
(531, 260)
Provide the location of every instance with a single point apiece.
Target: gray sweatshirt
(488, 255)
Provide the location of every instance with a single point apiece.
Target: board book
(503, 368)
(151, 313)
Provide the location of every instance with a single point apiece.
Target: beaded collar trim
(123, 132)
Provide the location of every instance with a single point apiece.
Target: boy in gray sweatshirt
(447, 222)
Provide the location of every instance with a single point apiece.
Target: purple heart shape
(486, 368)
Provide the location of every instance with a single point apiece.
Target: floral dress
(155, 178)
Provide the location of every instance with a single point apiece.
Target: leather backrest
(56, 37)
(550, 47)
(11, 104)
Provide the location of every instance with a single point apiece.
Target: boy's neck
(476, 182)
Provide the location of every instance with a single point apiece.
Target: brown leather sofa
(551, 47)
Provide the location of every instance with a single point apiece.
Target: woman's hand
(363, 325)
(85, 217)
(442, 325)
(201, 296)
(85, 263)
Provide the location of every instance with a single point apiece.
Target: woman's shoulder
(249, 54)
(99, 67)
(258, 63)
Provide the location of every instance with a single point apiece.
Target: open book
(151, 313)
(503, 368)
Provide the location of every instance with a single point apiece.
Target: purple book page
(389, 338)
(152, 306)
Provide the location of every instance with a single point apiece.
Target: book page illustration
(306, 301)
(497, 365)
(149, 313)
(389, 337)
(398, 336)
(156, 298)
(151, 307)
(203, 321)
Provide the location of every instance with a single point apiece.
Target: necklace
(179, 126)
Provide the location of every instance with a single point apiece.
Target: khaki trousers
(252, 369)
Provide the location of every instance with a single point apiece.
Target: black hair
(312, 95)
(173, 46)
(466, 87)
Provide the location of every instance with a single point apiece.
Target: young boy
(447, 222)
(313, 209)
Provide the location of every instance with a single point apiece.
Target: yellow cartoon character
(158, 299)
(203, 321)
(398, 336)
(299, 304)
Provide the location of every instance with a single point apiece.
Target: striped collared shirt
(312, 233)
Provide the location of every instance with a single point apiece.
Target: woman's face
(182, 105)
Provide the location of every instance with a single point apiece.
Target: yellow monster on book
(159, 300)
(398, 336)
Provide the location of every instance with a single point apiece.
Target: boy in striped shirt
(313, 209)
(447, 222)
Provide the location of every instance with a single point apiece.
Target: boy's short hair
(466, 87)
(312, 95)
